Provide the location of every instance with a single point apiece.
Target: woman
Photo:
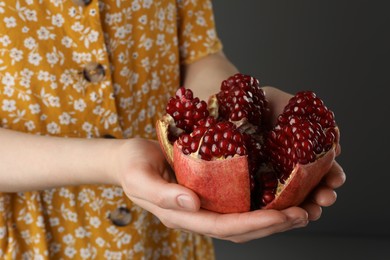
(100, 73)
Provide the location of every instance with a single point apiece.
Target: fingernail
(185, 202)
(300, 223)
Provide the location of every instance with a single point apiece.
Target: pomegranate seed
(304, 130)
(240, 150)
(268, 196)
(231, 148)
(218, 141)
(241, 97)
(186, 110)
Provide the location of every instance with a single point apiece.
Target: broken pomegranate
(225, 152)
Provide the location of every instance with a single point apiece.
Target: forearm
(30, 162)
(204, 76)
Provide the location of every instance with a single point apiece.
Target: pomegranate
(225, 151)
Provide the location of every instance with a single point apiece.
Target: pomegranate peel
(162, 129)
(302, 180)
(222, 185)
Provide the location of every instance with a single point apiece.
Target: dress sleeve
(196, 30)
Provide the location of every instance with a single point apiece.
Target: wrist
(102, 161)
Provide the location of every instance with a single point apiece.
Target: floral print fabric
(46, 47)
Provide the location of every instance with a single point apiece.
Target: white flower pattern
(44, 47)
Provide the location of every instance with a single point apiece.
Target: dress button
(94, 72)
(82, 2)
(107, 136)
(120, 217)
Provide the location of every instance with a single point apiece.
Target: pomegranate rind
(303, 179)
(222, 185)
(162, 127)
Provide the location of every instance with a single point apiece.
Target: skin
(129, 163)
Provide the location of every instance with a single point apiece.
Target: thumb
(177, 197)
(170, 195)
(155, 189)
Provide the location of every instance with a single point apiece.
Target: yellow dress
(94, 69)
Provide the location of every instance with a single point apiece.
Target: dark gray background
(339, 49)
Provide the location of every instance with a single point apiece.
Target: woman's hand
(324, 195)
(146, 177)
(149, 182)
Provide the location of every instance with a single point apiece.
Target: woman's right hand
(148, 181)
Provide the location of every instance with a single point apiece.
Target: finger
(336, 176)
(236, 227)
(324, 196)
(225, 226)
(277, 228)
(338, 149)
(296, 215)
(218, 225)
(296, 218)
(243, 227)
(256, 234)
(152, 187)
(272, 221)
(228, 225)
(172, 196)
(290, 218)
(314, 211)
